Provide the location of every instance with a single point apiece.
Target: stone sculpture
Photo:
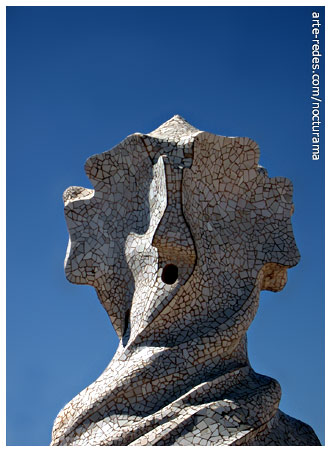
(181, 232)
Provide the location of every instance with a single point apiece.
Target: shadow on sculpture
(180, 233)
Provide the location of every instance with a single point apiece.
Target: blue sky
(79, 80)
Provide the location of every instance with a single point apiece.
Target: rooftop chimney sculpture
(180, 233)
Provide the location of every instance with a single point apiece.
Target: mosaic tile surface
(180, 233)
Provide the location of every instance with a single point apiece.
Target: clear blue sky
(79, 80)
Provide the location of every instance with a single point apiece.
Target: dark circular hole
(170, 274)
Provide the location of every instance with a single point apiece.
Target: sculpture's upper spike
(174, 129)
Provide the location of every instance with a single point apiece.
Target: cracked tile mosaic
(180, 233)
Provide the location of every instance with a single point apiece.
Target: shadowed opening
(170, 274)
(126, 323)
